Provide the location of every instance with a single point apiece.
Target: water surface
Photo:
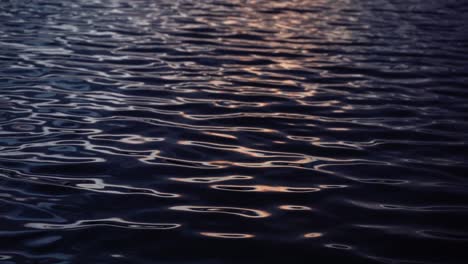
(233, 131)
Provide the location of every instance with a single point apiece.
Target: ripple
(110, 222)
(444, 235)
(264, 188)
(227, 235)
(213, 179)
(338, 246)
(244, 212)
(295, 208)
(337, 123)
(89, 184)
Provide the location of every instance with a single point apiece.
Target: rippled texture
(301, 131)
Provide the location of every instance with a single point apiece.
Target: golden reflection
(288, 64)
(226, 235)
(313, 235)
(285, 39)
(264, 188)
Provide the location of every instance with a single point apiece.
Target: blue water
(233, 131)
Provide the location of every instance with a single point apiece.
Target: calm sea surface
(229, 131)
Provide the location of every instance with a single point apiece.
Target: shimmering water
(229, 131)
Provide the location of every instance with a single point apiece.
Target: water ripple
(254, 131)
(244, 212)
(112, 222)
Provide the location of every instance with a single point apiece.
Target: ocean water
(233, 131)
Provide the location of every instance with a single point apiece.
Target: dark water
(178, 131)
